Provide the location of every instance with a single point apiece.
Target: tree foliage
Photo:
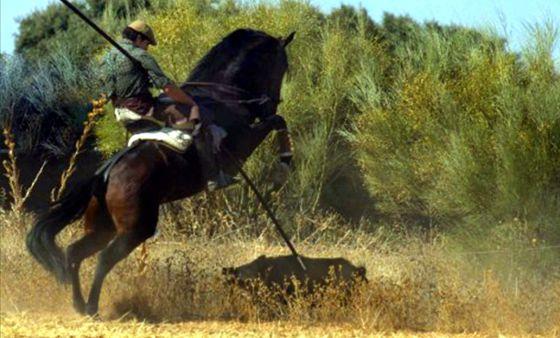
(45, 31)
(435, 122)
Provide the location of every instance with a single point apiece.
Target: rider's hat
(143, 28)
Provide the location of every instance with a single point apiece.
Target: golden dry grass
(175, 288)
(49, 325)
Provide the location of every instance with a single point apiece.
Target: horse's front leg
(258, 132)
(283, 140)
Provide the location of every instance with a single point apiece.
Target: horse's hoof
(64, 278)
(79, 306)
(91, 311)
(95, 317)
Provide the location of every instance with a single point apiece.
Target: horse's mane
(226, 59)
(237, 61)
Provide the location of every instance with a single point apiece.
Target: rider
(128, 86)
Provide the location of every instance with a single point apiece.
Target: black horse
(121, 203)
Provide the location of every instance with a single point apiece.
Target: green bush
(441, 124)
(57, 27)
(45, 102)
(316, 92)
(467, 129)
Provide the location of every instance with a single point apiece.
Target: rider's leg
(177, 116)
(215, 177)
(174, 115)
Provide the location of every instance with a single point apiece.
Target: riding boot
(215, 177)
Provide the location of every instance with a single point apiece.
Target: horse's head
(252, 61)
(262, 72)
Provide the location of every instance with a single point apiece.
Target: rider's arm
(177, 94)
(160, 80)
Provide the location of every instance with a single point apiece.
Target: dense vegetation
(394, 122)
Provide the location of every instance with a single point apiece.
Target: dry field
(51, 325)
(174, 288)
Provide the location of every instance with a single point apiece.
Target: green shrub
(467, 129)
(315, 93)
(441, 124)
(45, 102)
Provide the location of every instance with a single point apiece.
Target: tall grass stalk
(97, 110)
(18, 194)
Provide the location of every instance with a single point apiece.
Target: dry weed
(18, 194)
(89, 124)
(416, 288)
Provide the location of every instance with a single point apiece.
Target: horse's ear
(289, 39)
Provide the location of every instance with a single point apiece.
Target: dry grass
(175, 286)
(18, 193)
(49, 325)
(89, 124)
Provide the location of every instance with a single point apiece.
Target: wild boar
(281, 271)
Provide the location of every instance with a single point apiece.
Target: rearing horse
(121, 203)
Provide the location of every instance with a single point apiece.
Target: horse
(120, 203)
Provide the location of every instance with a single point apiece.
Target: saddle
(147, 128)
(177, 140)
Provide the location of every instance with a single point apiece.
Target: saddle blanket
(126, 115)
(176, 139)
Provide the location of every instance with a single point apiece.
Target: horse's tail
(41, 239)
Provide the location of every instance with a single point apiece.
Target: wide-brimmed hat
(143, 28)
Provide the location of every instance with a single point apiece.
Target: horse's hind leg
(99, 231)
(137, 224)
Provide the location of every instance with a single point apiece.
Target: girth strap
(106, 167)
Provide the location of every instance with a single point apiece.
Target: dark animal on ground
(284, 274)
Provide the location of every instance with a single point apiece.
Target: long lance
(201, 84)
(222, 87)
(101, 32)
(268, 210)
